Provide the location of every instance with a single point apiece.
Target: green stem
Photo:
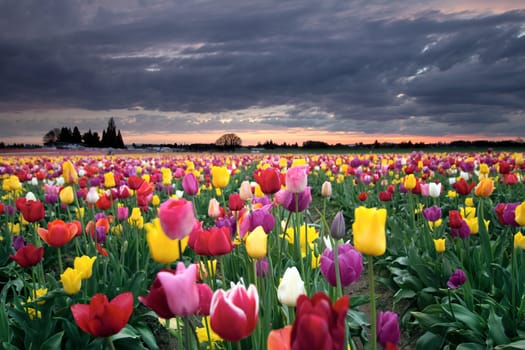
(372, 301)
(110, 342)
(60, 266)
(337, 272)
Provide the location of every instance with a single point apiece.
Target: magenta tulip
(182, 293)
(177, 218)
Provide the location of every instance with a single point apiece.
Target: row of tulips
(254, 252)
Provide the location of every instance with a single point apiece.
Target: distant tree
(91, 139)
(229, 141)
(76, 137)
(111, 137)
(51, 137)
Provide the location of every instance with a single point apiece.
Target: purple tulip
(18, 242)
(457, 279)
(350, 264)
(462, 232)
(387, 328)
(190, 184)
(338, 227)
(262, 267)
(287, 199)
(432, 213)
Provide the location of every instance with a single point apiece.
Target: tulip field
(260, 251)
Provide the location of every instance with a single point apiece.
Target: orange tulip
(484, 188)
(58, 233)
(279, 339)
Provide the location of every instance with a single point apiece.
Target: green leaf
(53, 342)
(403, 294)
(470, 319)
(470, 346)
(147, 336)
(520, 344)
(7, 346)
(126, 332)
(430, 341)
(5, 333)
(496, 329)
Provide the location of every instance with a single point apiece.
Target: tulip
(269, 180)
(109, 180)
(214, 208)
(103, 318)
(457, 279)
(58, 233)
(297, 179)
(205, 295)
(288, 200)
(387, 328)
(67, 196)
(134, 182)
(71, 280)
(326, 189)
(28, 255)
(84, 265)
(319, 324)
(234, 313)
(245, 191)
(163, 249)
(181, 289)
(350, 265)
(248, 221)
(425, 189)
(454, 219)
(69, 173)
(338, 227)
(279, 339)
(256, 243)
(519, 214)
(484, 188)
(462, 187)
(369, 230)
(157, 300)
(220, 176)
(363, 196)
(432, 213)
(410, 182)
(440, 245)
(519, 240)
(213, 242)
(434, 190)
(290, 287)
(92, 196)
(177, 218)
(32, 211)
(235, 203)
(190, 184)
(18, 242)
(385, 196)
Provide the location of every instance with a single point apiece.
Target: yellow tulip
(71, 280)
(519, 240)
(519, 214)
(67, 196)
(109, 180)
(311, 233)
(155, 200)
(136, 219)
(435, 224)
(440, 245)
(163, 249)
(84, 264)
(469, 202)
(12, 183)
(69, 173)
(256, 243)
(410, 182)
(167, 176)
(452, 194)
(79, 212)
(473, 225)
(484, 188)
(220, 176)
(468, 212)
(14, 228)
(369, 230)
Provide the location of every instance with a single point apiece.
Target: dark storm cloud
(360, 65)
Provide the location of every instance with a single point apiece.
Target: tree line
(111, 137)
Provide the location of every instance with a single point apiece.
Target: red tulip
(32, 211)
(58, 233)
(454, 219)
(134, 182)
(269, 179)
(385, 196)
(235, 203)
(363, 196)
(319, 324)
(234, 313)
(205, 295)
(156, 300)
(213, 242)
(462, 187)
(28, 255)
(103, 203)
(103, 318)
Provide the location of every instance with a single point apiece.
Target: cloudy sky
(287, 70)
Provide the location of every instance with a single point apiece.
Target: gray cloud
(365, 66)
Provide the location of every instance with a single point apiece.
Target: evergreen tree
(76, 137)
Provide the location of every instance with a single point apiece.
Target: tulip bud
(245, 191)
(338, 227)
(326, 189)
(291, 287)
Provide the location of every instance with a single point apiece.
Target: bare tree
(229, 141)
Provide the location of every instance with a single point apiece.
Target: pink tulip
(177, 218)
(190, 184)
(234, 313)
(297, 179)
(214, 208)
(182, 293)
